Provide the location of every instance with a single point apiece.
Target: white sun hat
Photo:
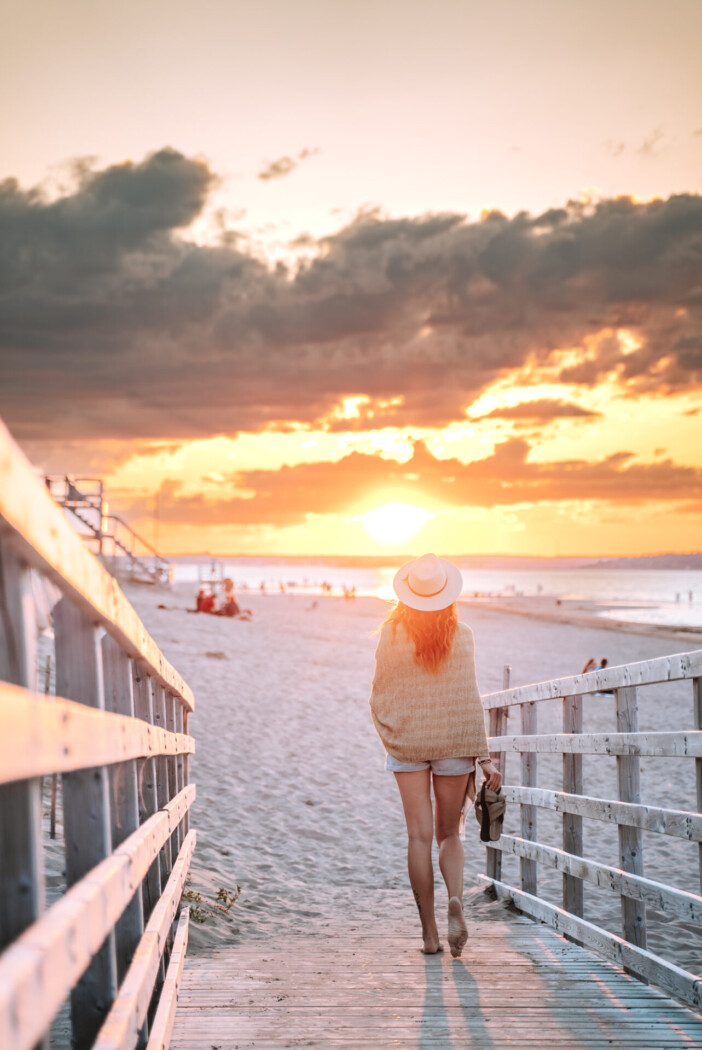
(428, 583)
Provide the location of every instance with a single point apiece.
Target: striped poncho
(420, 715)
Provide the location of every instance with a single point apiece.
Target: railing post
(527, 868)
(172, 763)
(86, 810)
(180, 765)
(498, 727)
(119, 697)
(148, 804)
(162, 795)
(146, 775)
(573, 824)
(697, 705)
(630, 839)
(22, 883)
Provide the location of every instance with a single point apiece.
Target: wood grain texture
(122, 1025)
(528, 812)
(40, 535)
(518, 984)
(647, 966)
(679, 823)
(573, 899)
(39, 969)
(645, 672)
(658, 745)
(162, 1027)
(631, 854)
(22, 883)
(44, 735)
(673, 902)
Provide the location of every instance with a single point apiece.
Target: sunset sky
(271, 266)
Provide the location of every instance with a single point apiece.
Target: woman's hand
(492, 776)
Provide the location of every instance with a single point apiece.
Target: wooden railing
(117, 732)
(627, 745)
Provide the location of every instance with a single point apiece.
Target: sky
(322, 278)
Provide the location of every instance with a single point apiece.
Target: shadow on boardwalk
(519, 984)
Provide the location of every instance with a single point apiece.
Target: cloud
(113, 323)
(278, 169)
(507, 477)
(648, 146)
(541, 411)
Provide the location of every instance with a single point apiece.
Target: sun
(394, 523)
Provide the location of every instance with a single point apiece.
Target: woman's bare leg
(449, 793)
(416, 802)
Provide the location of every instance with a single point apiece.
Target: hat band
(433, 594)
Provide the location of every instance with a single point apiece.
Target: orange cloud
(285, 497)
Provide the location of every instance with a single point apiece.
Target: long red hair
(431, 632)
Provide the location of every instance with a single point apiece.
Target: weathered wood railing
(632, 818)
(117, 732)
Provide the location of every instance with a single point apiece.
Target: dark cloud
(114, 324)
(278, 169)
(541, 411)
(285, 497)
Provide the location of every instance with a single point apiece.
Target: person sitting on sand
(427, 711)
(204, 602)
(230, 607)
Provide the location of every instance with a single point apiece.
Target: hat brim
(446, 596)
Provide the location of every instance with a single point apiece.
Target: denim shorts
(440, 767)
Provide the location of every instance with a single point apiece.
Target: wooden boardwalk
(519, 984)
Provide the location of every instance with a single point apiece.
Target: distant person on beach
(204, 602)
(426, 708)
(589, 666)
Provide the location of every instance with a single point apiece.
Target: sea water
(642, 595)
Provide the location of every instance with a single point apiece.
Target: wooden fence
(117, 732)
(632, 818)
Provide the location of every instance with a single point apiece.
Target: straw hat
(428, 583)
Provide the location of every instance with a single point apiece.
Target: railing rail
(626, 746)
(117, 732)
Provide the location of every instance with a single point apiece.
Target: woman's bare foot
(457, 931)
(432, 945)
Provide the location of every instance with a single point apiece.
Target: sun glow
(394, 523)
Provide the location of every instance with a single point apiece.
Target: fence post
(497, 727)
(573, 824)
(86, 810)
(146, 775)
(22, 882)
(162, 795)
(630, 839)
(119, 697)
(172, 763)
(527, 868)
(697, 705)
(180, 765)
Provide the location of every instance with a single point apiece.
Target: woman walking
(427, 710)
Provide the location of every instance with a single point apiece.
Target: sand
(295, 811)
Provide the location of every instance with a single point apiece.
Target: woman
(427, 710)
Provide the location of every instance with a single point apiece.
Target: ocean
(641, 595)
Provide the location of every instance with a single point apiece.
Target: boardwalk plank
(527, 987)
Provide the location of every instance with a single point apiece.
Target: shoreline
(566, 611)
(580, 614)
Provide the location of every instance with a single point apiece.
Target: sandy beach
(294, 806)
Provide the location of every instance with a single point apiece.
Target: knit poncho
(420, 715)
